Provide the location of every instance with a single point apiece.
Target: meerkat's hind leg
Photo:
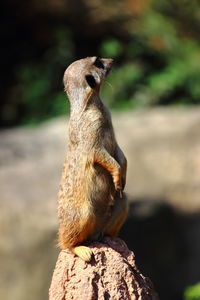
(118, 216)
(83, 252)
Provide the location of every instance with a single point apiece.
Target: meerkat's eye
(91, 81)
(98, 63)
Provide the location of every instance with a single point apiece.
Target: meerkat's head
(85, 76)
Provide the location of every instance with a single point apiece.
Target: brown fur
(91, 198)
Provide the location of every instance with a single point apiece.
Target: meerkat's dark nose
(108, 62)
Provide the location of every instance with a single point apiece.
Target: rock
(112, 274)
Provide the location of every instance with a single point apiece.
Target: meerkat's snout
(108, 62)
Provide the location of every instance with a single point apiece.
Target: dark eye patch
(91, 81)
(98, 63)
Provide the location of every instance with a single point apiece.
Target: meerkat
(91, 200)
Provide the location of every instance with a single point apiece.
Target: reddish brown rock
(112, 274)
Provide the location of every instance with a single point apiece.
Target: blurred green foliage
(156, 51)
(120, 86)
(192, 292)
(111, 48)
(165, 66)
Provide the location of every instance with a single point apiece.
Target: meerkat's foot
(83, 252)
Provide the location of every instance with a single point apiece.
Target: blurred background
(154, 94)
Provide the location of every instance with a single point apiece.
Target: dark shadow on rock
(166, 244)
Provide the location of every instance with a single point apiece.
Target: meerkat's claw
(118, 186)
(120, 192)
(83, 252)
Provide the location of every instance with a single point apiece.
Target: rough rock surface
(112, 274)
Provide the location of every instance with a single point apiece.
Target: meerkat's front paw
(83, 252)
(118, 184)
(117, 181)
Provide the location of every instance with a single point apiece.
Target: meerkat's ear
(91, 81)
